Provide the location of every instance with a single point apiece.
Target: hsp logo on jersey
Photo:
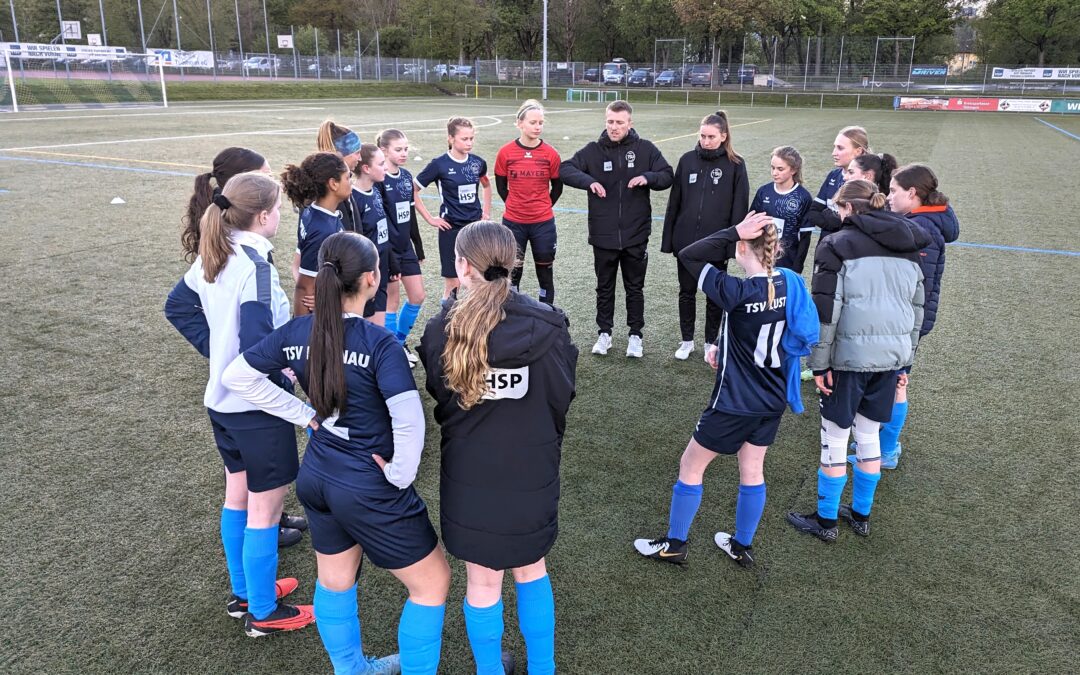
(716, 174)
(607, 166)
(692, 178)
(630, 157)
(507, 383)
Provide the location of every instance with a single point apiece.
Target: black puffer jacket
(624, 217)
(710, 193)
(499, 486)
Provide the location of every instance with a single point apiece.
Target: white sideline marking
(211, 111)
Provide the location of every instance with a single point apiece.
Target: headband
(496, 272)
(529, 108)
(347, 144)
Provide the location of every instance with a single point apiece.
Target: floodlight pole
(544, 71)
(239, 37)
(60, 18)
(14, 23)
(873, 72)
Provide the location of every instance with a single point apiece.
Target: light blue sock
(338, 622)
(420, 638)
(484, 626)
(748, 509)
(391, 323)
(890, 431)
(233, 523)
(406, 320)
(536, 618)
(260, 569)
(829, 489)
(863, 486)
(685, 500)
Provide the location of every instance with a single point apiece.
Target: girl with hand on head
(527, 179)
(316, 187)
(398, 188)
(367, 434)
(501, 368)
(465, 190)
(229, 300)
(710, 193)
(786, 201)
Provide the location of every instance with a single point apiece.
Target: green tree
(1026, 31)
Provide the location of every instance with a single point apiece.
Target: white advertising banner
(33, 50)
(1036, 74)
(173, 58)
(1038, 105)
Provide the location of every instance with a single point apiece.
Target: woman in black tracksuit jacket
(501, 368)
(710, 193)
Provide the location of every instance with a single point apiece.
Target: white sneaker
(413, 359)
(633, 348)
(685, 350)
(603, 344)
(710, 350)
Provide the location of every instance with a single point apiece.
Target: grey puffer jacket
(868, 289)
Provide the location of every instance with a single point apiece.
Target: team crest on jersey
(472, 170)
(405, 188)
(790, 206)
(630, 157)
(716, 174)
(507, 383)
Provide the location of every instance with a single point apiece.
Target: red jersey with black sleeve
(529, 172)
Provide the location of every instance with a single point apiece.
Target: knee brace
(867, 440)
(833, 444)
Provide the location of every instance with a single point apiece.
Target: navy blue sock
(890, 431)
(420, 638)
(863, 486)
(536, 618)
(391, 322)
(233, 523)
(406, 319)
(685, 500)
(748, 509)
(484, 626)
(260, 568)
(338, 622)
(829, 489)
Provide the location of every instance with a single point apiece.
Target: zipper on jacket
(618, 225)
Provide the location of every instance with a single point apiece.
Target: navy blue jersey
(829, 187)
(371, 212)
(376, 371)
(459, 185)
(786, 208)
(398, 192)
(316, 224)
(750, 378)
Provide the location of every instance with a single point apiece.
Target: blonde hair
(244, 197)
(455, 124)
(858, 137)
(388, 136)
(792, 158)
(328, 133)
(528, 106)
(767, 249)
(492, 251)
(861, 195)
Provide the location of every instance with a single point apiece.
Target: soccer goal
(587, 95)
(58, 82)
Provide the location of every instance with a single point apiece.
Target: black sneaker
(859, 526)
(807, 523)
(667, 550)
(508, 662)
(736, 551)
(237, 607)
(284, 618)
(293, 522)
(288, 536)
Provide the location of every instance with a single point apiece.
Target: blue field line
(3, 191)
(1067, 133)
(89, 165)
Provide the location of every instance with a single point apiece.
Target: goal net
(61, 82)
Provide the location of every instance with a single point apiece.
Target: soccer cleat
(508, 663)
(685, 350)
(238, 606)
(736, 551)
(603, 344)
(284, 618)
(412, 358)
(294, 522)
(633, 347)
(667, 550)
(860, 527)
(288, 536)
(387, 665)
(807, 523)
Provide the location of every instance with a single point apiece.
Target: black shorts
(391, 526)
(408, 263)
(868, 394)
(725, 433)
(262, 445)
(447, 256)
(378, 301)
(543, 236)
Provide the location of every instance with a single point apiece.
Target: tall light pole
(544, 65)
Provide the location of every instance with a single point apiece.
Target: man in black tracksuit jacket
(618, 170)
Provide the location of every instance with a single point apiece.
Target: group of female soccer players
(500, 366)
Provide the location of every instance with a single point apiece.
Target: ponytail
(244, 197)
(388, 136)
(922, 178)
(228, 163)
(344, 258)
(309, 182)
(881, 165)
(861, 195)
(492, 251)
(719, 119)
(767, 248)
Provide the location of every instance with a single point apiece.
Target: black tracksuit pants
(633, 262)
(688, 292)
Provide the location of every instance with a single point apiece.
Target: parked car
(615, 71)
(463, 72)
(262, 63)
(642, 77)
(591, 75)
(700, 75)
(747, 73)
(669, 78)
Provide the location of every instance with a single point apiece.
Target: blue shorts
(543, 236)
(724, 433)
(868, 394)
(447, 255)
(392, 527)
(378, 301)
(262, 445)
